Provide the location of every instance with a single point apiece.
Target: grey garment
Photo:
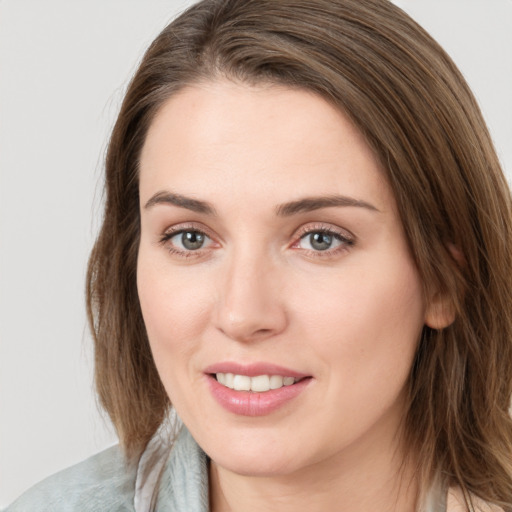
(105, 483)
(184, 482)
(102, 482)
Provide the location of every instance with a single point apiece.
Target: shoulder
(102, 482)
(456, 503)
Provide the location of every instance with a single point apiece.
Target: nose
(251, 303)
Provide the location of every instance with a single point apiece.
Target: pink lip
(248, 403)
(253, 369)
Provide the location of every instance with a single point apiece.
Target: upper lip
(253, 369)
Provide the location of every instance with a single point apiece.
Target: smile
(257, 384)
(256, 389)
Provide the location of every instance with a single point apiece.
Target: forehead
(224, 135)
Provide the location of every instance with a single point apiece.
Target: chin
(256, 466)
(257, 456)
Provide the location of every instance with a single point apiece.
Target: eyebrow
(306, 204)
(171, 198)
(309, 204)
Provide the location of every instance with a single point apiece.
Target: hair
(405, 95)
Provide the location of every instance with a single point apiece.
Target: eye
(189, 240)
(323, 240)
(185, 241)
(319, 241)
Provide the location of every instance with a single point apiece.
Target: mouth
(256, 384)
(256, 389)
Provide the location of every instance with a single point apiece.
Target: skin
(259, 290)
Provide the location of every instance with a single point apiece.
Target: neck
(383, 481)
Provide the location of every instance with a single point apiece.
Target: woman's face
(272, 256)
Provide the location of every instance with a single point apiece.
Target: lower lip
(247, 403)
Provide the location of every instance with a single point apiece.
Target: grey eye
(192, 240)
(320, 241)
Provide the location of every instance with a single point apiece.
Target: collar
(174, 476)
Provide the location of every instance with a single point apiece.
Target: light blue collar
(184, 481)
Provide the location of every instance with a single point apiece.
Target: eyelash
(346, 240)
(178, 230)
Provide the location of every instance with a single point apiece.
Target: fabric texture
(102, 482)
(105, 483)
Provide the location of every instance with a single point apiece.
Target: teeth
(229, 380)
(276, 382)
(258, 384)
(242, 383)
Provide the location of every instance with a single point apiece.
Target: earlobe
(440, 312)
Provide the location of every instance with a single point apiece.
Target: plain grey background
(63, 68)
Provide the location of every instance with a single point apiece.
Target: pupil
(192, 240)
(321, 241)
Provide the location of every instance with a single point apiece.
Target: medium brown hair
(402, 91)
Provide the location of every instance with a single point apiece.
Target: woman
(306, 251)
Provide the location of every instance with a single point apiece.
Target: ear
(440, 311)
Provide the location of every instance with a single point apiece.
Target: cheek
(365, 325)
(174, 307)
